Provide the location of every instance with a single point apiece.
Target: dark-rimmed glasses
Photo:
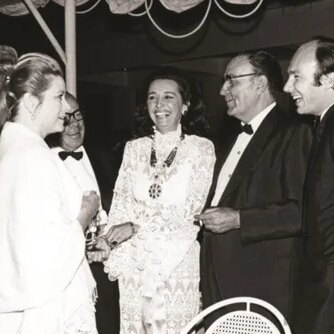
(229, 77)
(76, 115)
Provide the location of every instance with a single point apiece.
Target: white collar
(258, 119)
(325, 111)
(59, 148)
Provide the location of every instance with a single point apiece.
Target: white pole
(70, 46)
(46, 29)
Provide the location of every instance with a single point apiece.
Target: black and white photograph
(166, 166)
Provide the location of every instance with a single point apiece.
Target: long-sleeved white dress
(158, 268)
(46, 286)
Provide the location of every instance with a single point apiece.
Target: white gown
(158, 268)
(46, 286)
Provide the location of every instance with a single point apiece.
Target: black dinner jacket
(266, 186)
(313, 311)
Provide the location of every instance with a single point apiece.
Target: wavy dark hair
(33, 73)
(194, 121)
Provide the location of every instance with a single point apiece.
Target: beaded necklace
(160, 173)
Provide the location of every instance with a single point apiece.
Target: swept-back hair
(324, 55)
(33, 73)
(266, 64)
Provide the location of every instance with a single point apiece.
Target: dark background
(116, 52)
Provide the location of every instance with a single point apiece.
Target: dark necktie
(247, 128)
(316, 124)
(317, 132)
(65, 154)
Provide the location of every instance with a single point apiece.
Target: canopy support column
(69, 59)
(70, 46)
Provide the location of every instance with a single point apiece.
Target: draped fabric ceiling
(17, 7)
(126, 6)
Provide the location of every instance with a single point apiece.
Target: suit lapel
(318, 135)
(253, 151)
(222, 154)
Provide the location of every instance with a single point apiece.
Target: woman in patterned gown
(163, 182)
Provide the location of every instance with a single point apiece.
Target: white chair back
(245, 320)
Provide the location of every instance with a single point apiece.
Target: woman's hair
(193, 121)
(33, 74)
(8, 58)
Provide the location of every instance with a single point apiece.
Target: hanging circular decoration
(240, 2)
(199, 26)
(124, 6)
(180, 6)
(17, 7)
(77, 2)
(142, 13)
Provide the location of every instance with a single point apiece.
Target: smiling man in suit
(253, 217)
(93, 170)
(311, 85)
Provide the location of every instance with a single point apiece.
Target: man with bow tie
(252, 222)
(96, 172)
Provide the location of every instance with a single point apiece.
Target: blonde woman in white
(46, 284)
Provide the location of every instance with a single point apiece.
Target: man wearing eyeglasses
(252, 223)
(93, 171)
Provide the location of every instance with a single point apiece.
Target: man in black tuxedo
(311, 85)
(253, 217)
(93, 169)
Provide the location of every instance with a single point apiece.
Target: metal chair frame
(246, 314)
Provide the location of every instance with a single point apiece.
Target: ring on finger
(112, 244)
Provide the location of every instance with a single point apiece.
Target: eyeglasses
(229, 77)
(76, 115)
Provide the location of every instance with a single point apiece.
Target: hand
(89, 207)
(220, 219)
(119, 233)
(101, 253)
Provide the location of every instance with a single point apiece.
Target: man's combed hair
(324, 55)
(266, 64)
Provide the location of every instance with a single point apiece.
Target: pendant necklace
(160, 174)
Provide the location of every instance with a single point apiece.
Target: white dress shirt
(236, 152)
(324, 112)
(83, 173)
(81, 170)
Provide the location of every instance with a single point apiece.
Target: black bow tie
(65, 154)
(247, 128)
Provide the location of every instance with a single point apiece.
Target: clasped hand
(101, 253)
(105, 243)
(220, 219)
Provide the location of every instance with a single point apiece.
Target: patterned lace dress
(158, 268)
